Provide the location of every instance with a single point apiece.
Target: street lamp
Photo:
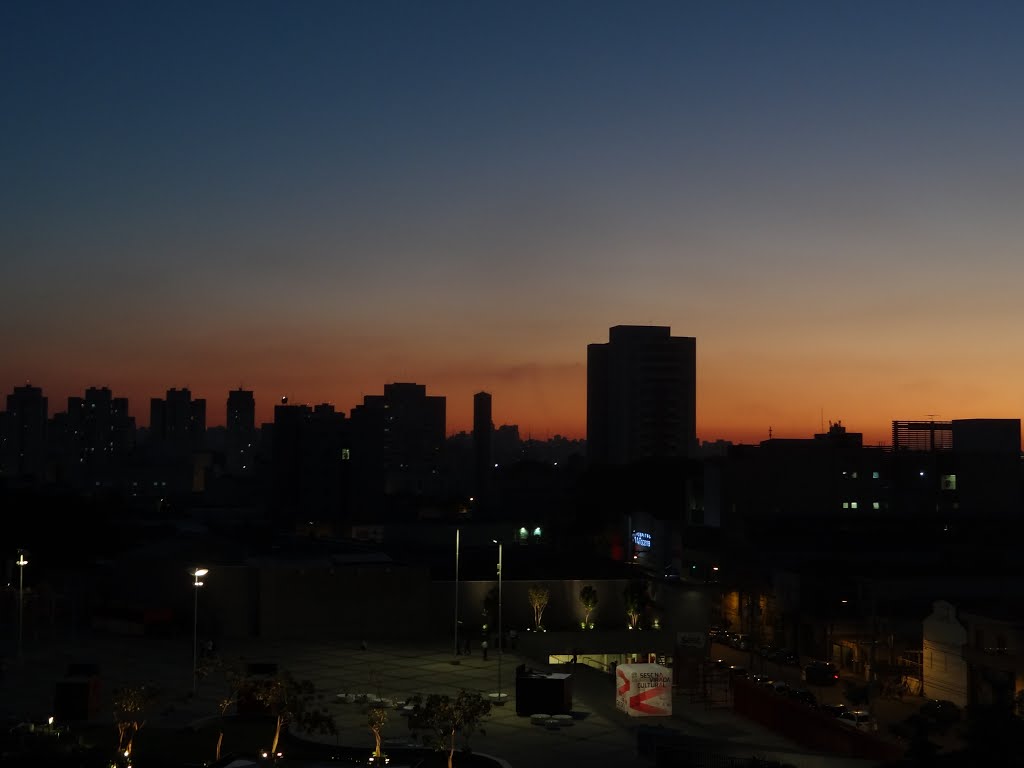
(197, 574)
(501, 641)
(456, 591)
(21, 563)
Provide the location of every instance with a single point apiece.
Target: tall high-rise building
(641, 396)
(483, 442)
(240, 431)
(399, 438)
(177, 423)
(96, 438)
(23, 437)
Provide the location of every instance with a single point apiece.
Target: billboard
(643, 690)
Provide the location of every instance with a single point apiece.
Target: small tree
(235, 682)
(539, 596)
(130, 705)
(445, 716)
(292, 702)
(634, 598)
(588, 599)
(375, 719)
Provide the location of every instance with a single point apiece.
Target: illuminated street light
(501, 641)
(21, 563)
(197, 574)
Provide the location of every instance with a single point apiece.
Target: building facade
(641, 396)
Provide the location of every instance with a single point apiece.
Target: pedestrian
(483, 647)
(469, 646)
(513, 638)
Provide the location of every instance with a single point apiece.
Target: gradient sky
(317, 198)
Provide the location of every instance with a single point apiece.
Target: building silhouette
(240, 432)
(641, 396)
(177, 424)
(310, 452)
(96, 436)
(483, 444)
(23, 432)
(399, 437)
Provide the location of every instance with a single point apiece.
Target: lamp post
(456, 591)
(21, 563)
(197, 574)
(501, 641)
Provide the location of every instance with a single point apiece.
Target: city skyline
(317, 199)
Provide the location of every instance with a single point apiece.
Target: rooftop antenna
(769, 433)
(932, 416)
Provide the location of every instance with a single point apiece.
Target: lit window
(949, 482)
(346, 454)
(876, 505)
(853, 505)
(874, 475)
(846, 505)
(536, 531)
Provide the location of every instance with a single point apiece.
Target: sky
(314, 199)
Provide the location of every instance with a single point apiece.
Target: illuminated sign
(642, 539)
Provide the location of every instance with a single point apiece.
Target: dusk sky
(314, 199)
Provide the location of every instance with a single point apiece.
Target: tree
(130, 705)
(539, 596)
(588, 599)
(635, 598)
(292, 702)
(445, 717)
(235, 683)
(375, 719)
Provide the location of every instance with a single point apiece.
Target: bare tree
(539, 596)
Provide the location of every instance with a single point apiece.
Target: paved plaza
(347, 675)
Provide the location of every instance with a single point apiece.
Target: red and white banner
(643, 690)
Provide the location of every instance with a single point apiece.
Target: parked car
(737, 671)
(762, 680)
(779, 686)
(860, 719)
(940, 713)
(834, 709)
(803, 695)
(766, 651)
(820, 673)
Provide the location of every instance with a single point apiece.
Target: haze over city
(316, 199)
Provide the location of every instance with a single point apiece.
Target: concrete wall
(676, 606)
(943, 665)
